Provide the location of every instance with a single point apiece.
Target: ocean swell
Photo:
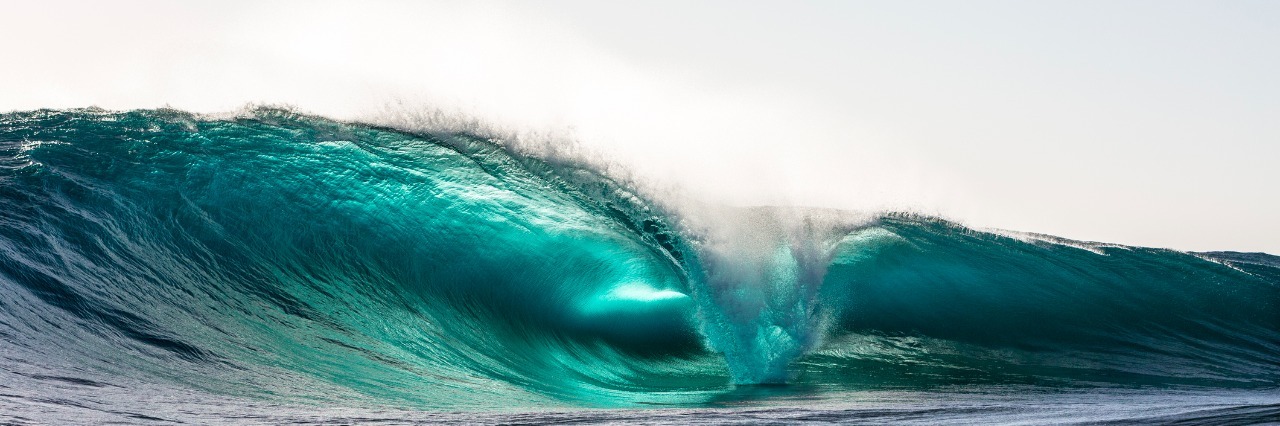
(285, 256)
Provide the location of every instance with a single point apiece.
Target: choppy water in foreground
(59, 401)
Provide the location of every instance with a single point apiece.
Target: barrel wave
(284, 257)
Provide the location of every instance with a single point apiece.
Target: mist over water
(1135, 123)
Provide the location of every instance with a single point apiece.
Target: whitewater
(160, 266)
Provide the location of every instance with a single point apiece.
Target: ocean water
(270, 267)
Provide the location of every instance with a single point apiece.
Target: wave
(292, 257)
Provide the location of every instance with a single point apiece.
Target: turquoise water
(291, 259)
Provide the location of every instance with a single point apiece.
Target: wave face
(288, 257)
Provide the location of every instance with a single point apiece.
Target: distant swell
(290, 257)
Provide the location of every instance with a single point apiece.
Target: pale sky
(1138, 122)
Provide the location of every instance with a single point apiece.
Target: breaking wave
(289, 257)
